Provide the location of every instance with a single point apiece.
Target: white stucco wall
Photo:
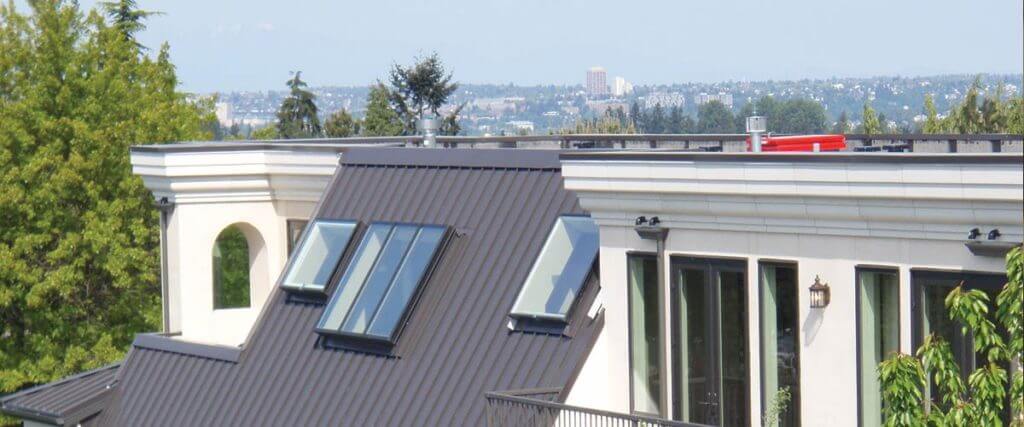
(729, 213)
(257, 187)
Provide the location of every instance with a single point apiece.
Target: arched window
(231, 269)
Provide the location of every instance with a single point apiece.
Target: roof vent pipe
(428, 128)
(756, 125)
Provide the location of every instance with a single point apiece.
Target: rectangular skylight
(559, 271)
(318, 255)
(383, 277)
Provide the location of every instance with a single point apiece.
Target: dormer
(230, 215)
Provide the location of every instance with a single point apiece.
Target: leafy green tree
(842, 125)
(380, 119)
(263, 133)
(979, 398)
(715, 117)
(869, 121)
(883, 124)
(1015, 116)
(675, 121)
(655, 121)
(422, 88)
(78, 233)
(932, 124)
(231, 269)
(297, 116)
(800, 116)
(341, 125)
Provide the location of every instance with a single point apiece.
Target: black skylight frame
(318, 292)
(378, 343)
(579, 277)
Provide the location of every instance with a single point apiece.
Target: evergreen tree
(842, 125)
(297, 116)
(340, 125)
(675, 120)
(380, 119)
(636, 116)
(420, 89)
(656, 122)
(79, 238)
(127, 18)
(869, 121)
(715, 117)
(883, 124)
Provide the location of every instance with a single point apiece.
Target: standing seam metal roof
(456, 344)
(65, 402)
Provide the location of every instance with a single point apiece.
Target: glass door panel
(691, 354)
(733, 354)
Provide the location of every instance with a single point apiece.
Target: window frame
(858, 269)
(548, 322)
(288, 226)
(629, 331)
(293, 257)
(337, 338)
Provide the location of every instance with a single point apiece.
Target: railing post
(952, 145)
(997, 146)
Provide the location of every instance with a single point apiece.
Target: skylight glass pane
(387, 264)
(559, 272)
(404, 286)
(352, 282)
(318, 255)
(382, 279)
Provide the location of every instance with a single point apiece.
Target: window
(381, 280)
(930, 316)
(318, 255)
(559, 272)
(645, 334)
(878, 335)
(295, 229)
(780, 342)
(231, 269)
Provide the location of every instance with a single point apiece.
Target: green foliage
(715, 117)
(870, 124)
(842, 125)
(78, 233)
(980, 399)
(263, 133)
(931, 121)
(380, 119)
(127, 18)
(231, 269)
(340, 125)
(423, 87)
(776, 407)
(611, 122)
(297, 116)
(993, 115)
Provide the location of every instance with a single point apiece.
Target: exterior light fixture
(973, 234)
(821, 295)
(650, 229)
(994, 234)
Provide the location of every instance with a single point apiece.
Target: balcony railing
(538, 408)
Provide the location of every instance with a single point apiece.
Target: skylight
(558, 274)
(318, 255)
(383, 277)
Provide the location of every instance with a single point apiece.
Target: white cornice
(907, 200)
(234, 175)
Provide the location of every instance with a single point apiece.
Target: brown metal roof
(64, 402)
(456, 344)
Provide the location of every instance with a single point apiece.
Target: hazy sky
(224, 45)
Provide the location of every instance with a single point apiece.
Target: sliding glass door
(780, 341)
(878, 335)
(710, 375)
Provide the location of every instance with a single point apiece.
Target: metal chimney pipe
(756, 125)
(428, 127)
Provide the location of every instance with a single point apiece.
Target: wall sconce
(821, 295)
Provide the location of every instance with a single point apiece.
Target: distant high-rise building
(622, 87)
(704, 98)
(597, 81)
(223, 112)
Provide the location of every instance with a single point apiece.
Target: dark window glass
(382, 279)
(295, 229)
(780, 343)
(231, 270)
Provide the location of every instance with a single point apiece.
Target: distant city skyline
(237, 45)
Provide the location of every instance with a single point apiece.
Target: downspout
(652, 230)
(165, 207)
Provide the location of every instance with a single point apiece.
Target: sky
(231, 45)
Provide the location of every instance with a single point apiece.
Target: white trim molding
(814, 195)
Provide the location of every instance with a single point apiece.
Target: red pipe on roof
(802, 143)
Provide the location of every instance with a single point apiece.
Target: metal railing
(539, 408)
